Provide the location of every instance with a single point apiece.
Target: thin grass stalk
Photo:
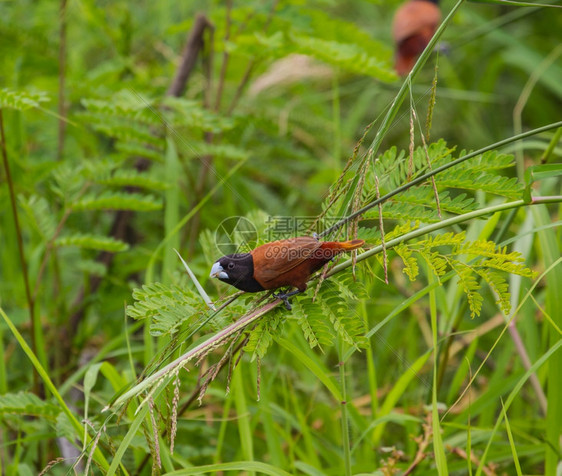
(550, 247)
(221, 336)
(78, 428)
(243, 420)
(444, 224)
(438, 450)
(398, 100)
(522, 102)
(62, 79)
(371, 368)
(197, 351)
(423, 178)
(336, 123)
(36, 331)
(547, 355)
(344, 413)
(511, 442)
(551, 146)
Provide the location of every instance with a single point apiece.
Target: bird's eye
(230, 265)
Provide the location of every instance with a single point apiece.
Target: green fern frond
(424, 196)
(491, 160)
(437, 263)
(261, 337)
(477, 180)
(39, 214)
(118, 201)
(68, 181)
(92, 242)
(133, 178)
(497, 258)
(349, 57)
(351, 287)
(411, 268)
(313, 323)
(394, 168)
(394, 210)
(402, 229)
(321, 24)
(125, 130)
(167, 307)
(125, 104)
(455, 240)
(185, 113)
(21, 100)
(226, 151)
(470, 286)
(24, 403)
(499, 285)
(508, 266)
(133, 148)
(344, 321)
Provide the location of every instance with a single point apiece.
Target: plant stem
(433, 172)
(443, 224)
(548, 152)
(244, 321)
(344, 416)
(30, 301)
(62, 78)
(77, 426)
(202, 348)
(391, 114)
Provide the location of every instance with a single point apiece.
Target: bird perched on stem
(414, 24)
(279, 263)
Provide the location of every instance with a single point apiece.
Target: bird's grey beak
(217, 271)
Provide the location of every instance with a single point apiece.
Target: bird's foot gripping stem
(285, 298)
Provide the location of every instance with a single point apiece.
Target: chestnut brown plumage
(414, 24)
(279, 263)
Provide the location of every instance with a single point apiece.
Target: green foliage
(92, 242)
(165, 307)
(443, 252)
(262, 335)
(21, 100)
(25, 403)
(455, 186)
(272, 110)
(118, 201)
(133, 178)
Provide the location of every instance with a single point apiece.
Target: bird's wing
(279, 257)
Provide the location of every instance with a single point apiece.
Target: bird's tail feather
(343, 245)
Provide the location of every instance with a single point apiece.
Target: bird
(279, 263)
(414, 24)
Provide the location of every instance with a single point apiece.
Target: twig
(193, 46)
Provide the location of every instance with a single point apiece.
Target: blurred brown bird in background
(414, 24)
